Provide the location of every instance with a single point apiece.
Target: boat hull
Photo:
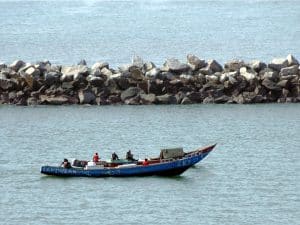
(171, 167)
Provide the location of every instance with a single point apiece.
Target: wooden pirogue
(171, 162)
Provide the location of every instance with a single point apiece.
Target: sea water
(66, 31)
(252, 176)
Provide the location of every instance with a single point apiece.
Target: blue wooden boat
(161, 166)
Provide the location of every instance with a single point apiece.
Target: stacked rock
(195, 81)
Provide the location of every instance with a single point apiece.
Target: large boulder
(269, 74)
(8, 84)
(186, 101)
(100, 65)
(291, 70)
(147, 98)
(74, 72)
(130, 93)
(271, 85)
(278, 63)
(52, 78)
(229, 76)
(32, 71)
(247, 74)
(174, 65)
(136, 74)
(95, 81)
(86, 97)
(195, 63)
(16, 65)
(166, 99)
(292, 60)
(234, 65)
(54, 100)
(153, 73)
(257, 65)
(106, 72)
(214, 66)
(2, 66)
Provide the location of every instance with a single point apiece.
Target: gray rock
(257, 65)
(174, 65)
(206, 71)
(214, 66)
(196, 97)
(269, 74)
(234, 65)
(106, 72)
(74, 70)
(248, 74)
(67, 85)
(230, 76)
(166, 99)
(12, 95)
(186, 101)
(16, 65)
(292, 60)
(278, 63)
(166, 75)
(2, 66)
(31, 71)
(283, 83)
(130, 92)
(32, 101)
(136, 74)
(147, 98)
(195, 63)
(95, 81)
(52, 78)
(86, 97)
(292, 70)
(208, 100)
(96, 73)
(153, 73)
(100, 65)
(149, 66)
(269, 84)
(186, 77)
(54, 100)
(212, 78)
(222, 99)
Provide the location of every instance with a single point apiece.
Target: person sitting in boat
(146, 162)
(96, 157)
(114, 156)
(129, 156)
(66, 164)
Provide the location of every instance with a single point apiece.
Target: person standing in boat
(114, 156)
(129, 156)
(96, 157)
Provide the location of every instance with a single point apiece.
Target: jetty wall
(194, 81)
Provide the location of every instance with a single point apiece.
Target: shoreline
(195, 81)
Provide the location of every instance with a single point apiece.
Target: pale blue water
(252, 177)
(65, 31)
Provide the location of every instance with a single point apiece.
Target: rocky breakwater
(196, 81)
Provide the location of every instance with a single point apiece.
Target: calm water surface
(65, 31)
(252, 177)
